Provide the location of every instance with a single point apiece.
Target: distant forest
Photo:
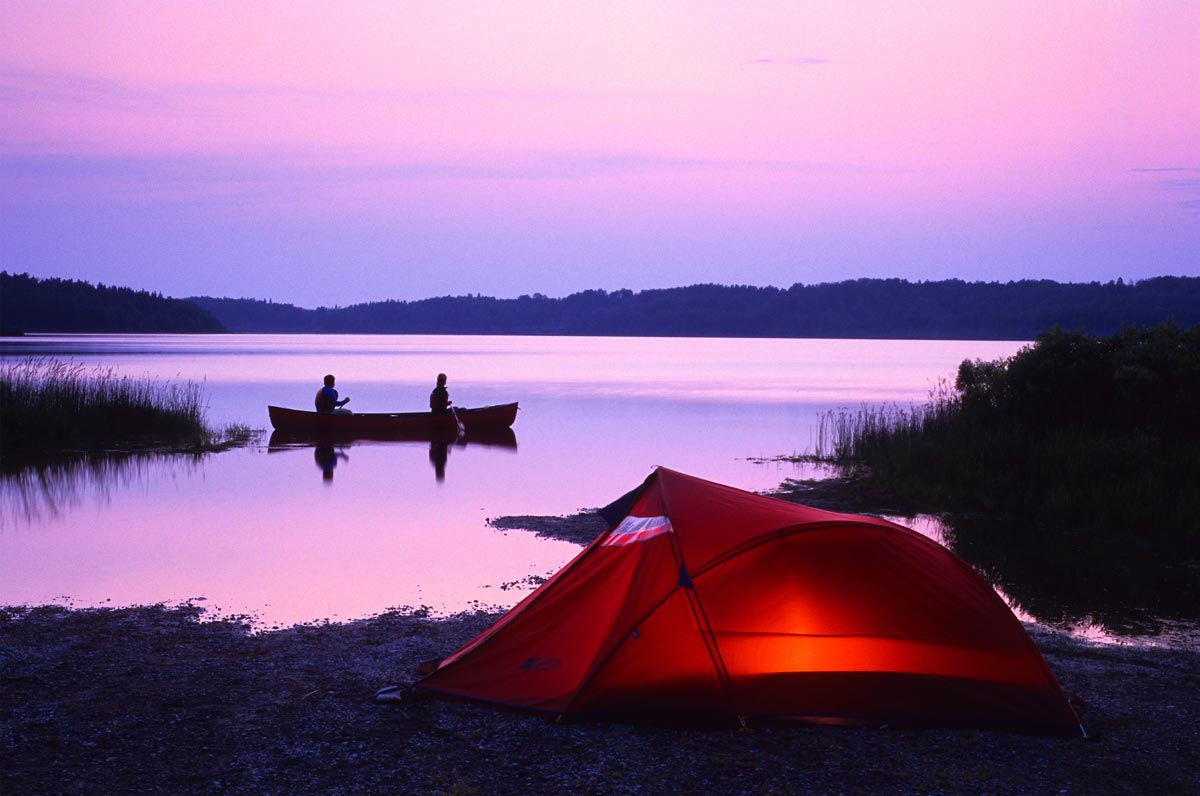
(862, 308)
(28, 304)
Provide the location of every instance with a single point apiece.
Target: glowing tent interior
(704, 601)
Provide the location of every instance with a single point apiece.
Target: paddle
(461, 428)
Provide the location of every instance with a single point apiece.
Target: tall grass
(845, 437)
(47, 405)
(1074, 431)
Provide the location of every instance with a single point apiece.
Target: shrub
(1081, 431)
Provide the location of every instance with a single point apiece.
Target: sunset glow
(388, 150)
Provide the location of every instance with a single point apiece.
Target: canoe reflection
(329, 449)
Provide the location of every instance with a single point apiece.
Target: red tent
(704, 600)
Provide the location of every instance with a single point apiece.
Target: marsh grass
(843, 436)
(1076, 431)
(49, 406)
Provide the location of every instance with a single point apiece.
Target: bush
(1080, 431)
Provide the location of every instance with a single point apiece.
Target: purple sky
(317, 155)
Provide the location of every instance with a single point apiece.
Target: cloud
(139, 181)
(587, 165)
(32, 88)
(1189, 186)
(802, 61)
(153, 178)
(22, 88)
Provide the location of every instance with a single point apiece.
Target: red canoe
(481, 419)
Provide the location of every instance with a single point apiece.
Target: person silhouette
(439, 399)
(327, 402)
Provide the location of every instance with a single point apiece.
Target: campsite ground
(150, 700)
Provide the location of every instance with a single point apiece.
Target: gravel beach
(153, 700)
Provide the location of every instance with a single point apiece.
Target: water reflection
(35, 493)
(327, 457)
(330, 449)
(438, 453)
(260, 532)
(1094, 588)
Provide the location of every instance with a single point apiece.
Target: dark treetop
(862, 308)
(28, 304)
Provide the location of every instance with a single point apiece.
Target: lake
(289, 534)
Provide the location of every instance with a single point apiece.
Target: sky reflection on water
(294, 533)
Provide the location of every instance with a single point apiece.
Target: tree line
(860, 308)
(29, 304)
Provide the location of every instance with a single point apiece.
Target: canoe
(387, 423)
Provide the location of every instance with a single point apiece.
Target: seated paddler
(327, 399)
(439, 399)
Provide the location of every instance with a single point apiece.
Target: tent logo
(637, 529)
(541, 664)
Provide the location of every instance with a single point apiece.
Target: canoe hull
(486, 418)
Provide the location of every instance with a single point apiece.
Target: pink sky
(394, 150)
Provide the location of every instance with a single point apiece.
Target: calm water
(303, 534)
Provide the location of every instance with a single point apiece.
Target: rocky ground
(151, 700)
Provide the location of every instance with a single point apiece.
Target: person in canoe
(327, 399)
(439, 399)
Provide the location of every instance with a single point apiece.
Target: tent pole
(698, 613)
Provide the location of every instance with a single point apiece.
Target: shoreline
(161, 699)
(151, 699)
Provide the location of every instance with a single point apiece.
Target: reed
(844, 436)
(47, 405)
(1078, 431)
